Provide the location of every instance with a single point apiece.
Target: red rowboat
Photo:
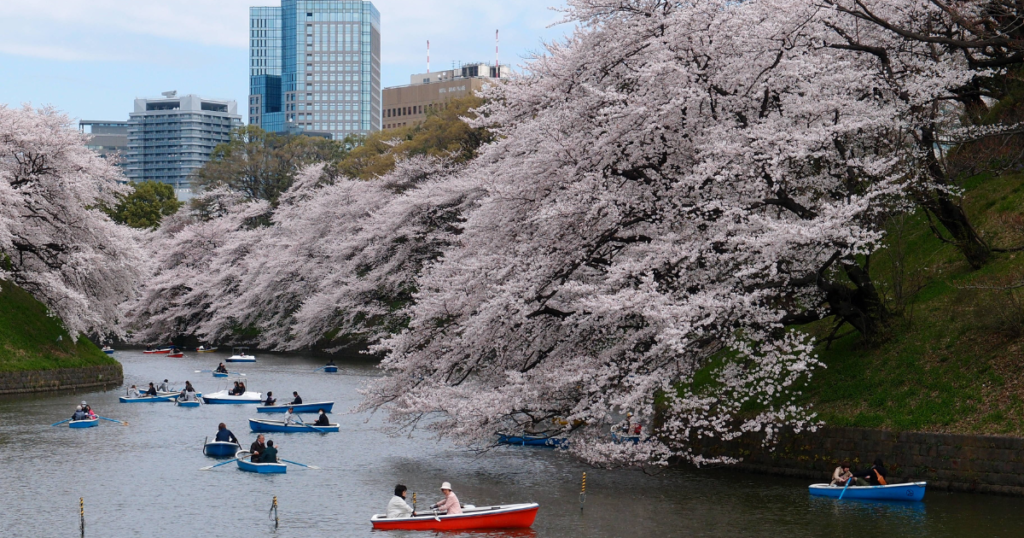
(176, 355)
(506, 516)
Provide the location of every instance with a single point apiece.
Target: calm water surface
(144, 479)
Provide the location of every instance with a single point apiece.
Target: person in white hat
(450, 504)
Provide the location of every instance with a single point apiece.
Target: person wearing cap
(397, 507)
(450, 504)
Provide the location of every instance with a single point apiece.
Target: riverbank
(38, 355)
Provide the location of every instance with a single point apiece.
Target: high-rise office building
(107, 138)
(314, 65)
(170, 137)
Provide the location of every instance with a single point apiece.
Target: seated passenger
(224, 435)
(270, 399)
(79, 414)
(297, 400)
(450, 504)
(256, 448)
(322, 420)
(133, 392)
(397, 507)
(269, 454)
(841, 474)
(162, 387)
(222, 369)
(151, 391)
(875, 476)
(234, 390)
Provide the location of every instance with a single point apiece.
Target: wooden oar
(848, 480)
(61, 422)
(314, 428)
(299, 464)
(222, 463)
(114, 420)
(203, 371)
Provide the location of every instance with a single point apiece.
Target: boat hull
(219, 374)
(84, 423)
(913, 491)
(261, 468)
(193, 403)
(240, 358)
(206, 350)
(175, 355)
(156, 351)
(276, 426)
(148, 399)
(331, 369)
(223, 397)
(314, 407)
(108, 351)
(516, 516)
(220, 449)
(532, 440)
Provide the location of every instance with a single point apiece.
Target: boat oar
(299, 464)
(320, 368)
(848, 480)
(222, 463)
(314, 428)
(61, 422)
(203, 371)
(114, 420)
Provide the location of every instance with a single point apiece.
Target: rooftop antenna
(497, 65)
(170, 94)
(428, 56)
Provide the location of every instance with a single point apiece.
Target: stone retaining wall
(63, 379)
(974, 463)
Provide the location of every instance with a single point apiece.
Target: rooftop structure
(107, 138)
(408, 105)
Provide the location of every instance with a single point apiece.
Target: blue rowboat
(220, 449)
(220, 374)
(625, 439)
(108, 351)
(83, 423)
(148, 399)
(301, 408)
(278, 426)
(223, 397)
(532, 440)
(911, 491)
(331, 369)
(192, 403)
(262, 468)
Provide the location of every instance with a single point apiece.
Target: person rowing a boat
(133, 392)
(397, 507)
(152, 390)
(291, 418)
(270, 399)
(224, 435)
(297, 400)
(842, 474)
(256, 448)
(450, 504)
(875, 476)
(322, 420)
(221, 369)
(79, 414)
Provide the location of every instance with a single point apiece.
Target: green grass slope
(29, 337)
(954, 359)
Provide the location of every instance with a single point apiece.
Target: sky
(92, 58)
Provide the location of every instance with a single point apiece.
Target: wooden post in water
(583, 492)
(81, 514)
(273, 508)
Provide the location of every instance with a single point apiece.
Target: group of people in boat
(238, 390)
(188, 394)
(398, 507)
(263, 451)
(153, 390)
(875, 476)
(83, 412)
(221, 369)
(296, 399)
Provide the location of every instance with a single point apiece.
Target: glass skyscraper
(314, 65)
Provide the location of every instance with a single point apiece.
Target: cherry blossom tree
(55, 242)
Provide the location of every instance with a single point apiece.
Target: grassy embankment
(29, 337)
(954, 359)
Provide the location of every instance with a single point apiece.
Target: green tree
(150, 202)
(263, 165)
(442, 133)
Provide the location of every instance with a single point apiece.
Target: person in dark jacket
(224, 434)
(875, 476)
(322, 420)
(297, 400)
(234, 390)
(270, 399)
(257, 448)
(221, 369)
(269, 453)
(151, 391)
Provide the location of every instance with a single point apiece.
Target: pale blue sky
(91, 58)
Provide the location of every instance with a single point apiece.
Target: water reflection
(145, 478)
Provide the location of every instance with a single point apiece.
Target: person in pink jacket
(450, 504)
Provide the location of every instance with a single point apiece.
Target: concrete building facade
(408, 105)
(170, 137)
(107, 138)
(314, 65)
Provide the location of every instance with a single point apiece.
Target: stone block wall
(974, 463)
(63, 379)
